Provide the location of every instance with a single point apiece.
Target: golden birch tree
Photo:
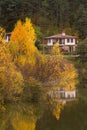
(22, 43)
(55, 49)
(11, 80)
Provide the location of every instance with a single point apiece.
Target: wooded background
(48, 16)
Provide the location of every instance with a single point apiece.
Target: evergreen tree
(81, 22)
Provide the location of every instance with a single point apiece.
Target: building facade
(67, 43)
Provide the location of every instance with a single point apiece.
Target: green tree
(81, 22)
(82, 62)
(82, 50)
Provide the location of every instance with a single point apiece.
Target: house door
(70, 48)
(62, 95)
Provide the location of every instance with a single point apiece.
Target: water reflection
(19, 117)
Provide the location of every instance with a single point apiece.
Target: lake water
(20, 117)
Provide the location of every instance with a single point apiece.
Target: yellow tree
(2, 34)
(11, 80)
(22, 43)
(24, 31)
(57, 72)
(68, 76)
(56, 49)
(54, 73)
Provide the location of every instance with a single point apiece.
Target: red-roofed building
(67, 43)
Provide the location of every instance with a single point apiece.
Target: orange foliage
(22, 43)
(11, 80)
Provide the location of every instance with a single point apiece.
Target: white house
(67, 43)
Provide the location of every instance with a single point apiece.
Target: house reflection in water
(63, 95)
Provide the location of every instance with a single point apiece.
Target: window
(72, 40)
(60, 41)
(49, 40)
(8, 38)
(70, 48)
(68, 40)
(63, 41)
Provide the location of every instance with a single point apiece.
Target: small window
(63, 41)
(68, 40)
(60, 41)
(72, 40)
(49, 40)
(8, 38)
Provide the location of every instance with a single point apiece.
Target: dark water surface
(21, 117)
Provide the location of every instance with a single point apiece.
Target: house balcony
(49, 44)
(62, 44)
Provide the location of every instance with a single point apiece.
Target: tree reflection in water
(19, 117)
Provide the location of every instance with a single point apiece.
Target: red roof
(60, 36)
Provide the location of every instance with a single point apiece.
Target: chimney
(63, 34)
